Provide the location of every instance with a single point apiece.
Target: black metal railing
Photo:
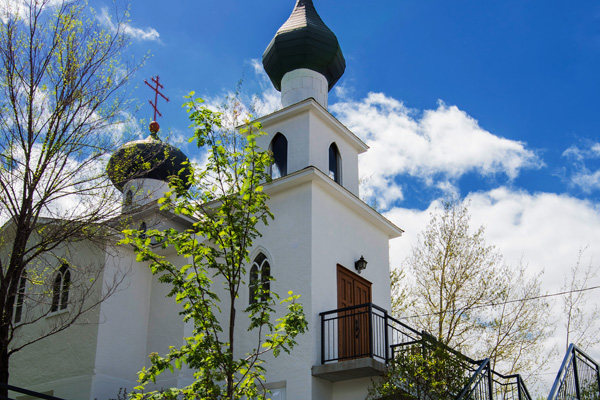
(30, 394)
(361, 331)
(487, 384)
(578, 377)
(367, 330)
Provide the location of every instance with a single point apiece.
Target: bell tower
(304, 59)
(323, 234)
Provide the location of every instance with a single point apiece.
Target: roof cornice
(311, 105)
(313, 174)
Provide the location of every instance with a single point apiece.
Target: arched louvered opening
(60, 289)
(279, 149)
(20, 299)
(260, 279)
(335, 164)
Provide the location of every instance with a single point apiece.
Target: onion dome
(148, 158)
(304, 41)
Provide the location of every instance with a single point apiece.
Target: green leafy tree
(229, 206)
(454, 273)
(464, 295)
(59, 111)
(425, 370)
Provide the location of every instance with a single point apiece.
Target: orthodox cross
(154, 127)
(156, 93)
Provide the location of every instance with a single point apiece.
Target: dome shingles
(148, 158)
(304, 41)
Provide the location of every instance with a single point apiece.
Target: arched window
(128, 198)
(60, 289)
(279, 148)
(335, 164)
(20, 299)
(260, 279)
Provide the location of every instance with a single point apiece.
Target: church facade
(325, 244)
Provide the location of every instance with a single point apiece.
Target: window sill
(58, 312)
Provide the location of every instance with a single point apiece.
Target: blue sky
(524, 70)
(494, 101)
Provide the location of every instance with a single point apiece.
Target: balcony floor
(349, 369)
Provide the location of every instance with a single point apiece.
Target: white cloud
(265, 101)
(21, 8)
(438, 145)
(544, 230)
(269, 99)
(588, 180)
(147, 34)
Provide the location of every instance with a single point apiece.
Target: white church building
(322, 238)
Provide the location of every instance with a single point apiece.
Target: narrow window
(279, 149)
(128, 198)
(60, 289)
(20, 297)
(335, 164)
(143, 229)
(260, 279)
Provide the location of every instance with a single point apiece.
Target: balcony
(360, 341)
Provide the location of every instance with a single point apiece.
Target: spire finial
(304, 41)
(154, 126)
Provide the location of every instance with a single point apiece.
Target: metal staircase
(578, 377)
(487, 384)
(367, 331)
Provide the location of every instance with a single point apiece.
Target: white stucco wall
(63, 363)
(356, 389)
(301, 84)
(136, 321)
(310, 130)
(313, 232)
(318, 225)
(286, 241)
(122, 333)
(144, 191)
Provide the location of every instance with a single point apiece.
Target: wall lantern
(360, 264)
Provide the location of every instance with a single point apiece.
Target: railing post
(371, 330)
(490, 381)
(386, 339)
(576, 375)
(323, 339)
(598, 379)
(519, 387)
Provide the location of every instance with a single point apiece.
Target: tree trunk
(3, 372)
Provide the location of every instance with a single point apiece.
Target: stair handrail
(475, 379)
(27, 392)
(562, 372)
(570, 358)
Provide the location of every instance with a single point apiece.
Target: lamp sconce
(360, 264)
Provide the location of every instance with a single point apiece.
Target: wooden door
(353, 325)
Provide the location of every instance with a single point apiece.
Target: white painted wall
(356, 389)
(64, 362)
(123, 331)
(145, 191)
(313, 231)
(301, 84)
(310, 130)
(317, 225)
(135, 322)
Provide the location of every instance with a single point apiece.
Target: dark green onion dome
(304, 41)
(147, 158)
